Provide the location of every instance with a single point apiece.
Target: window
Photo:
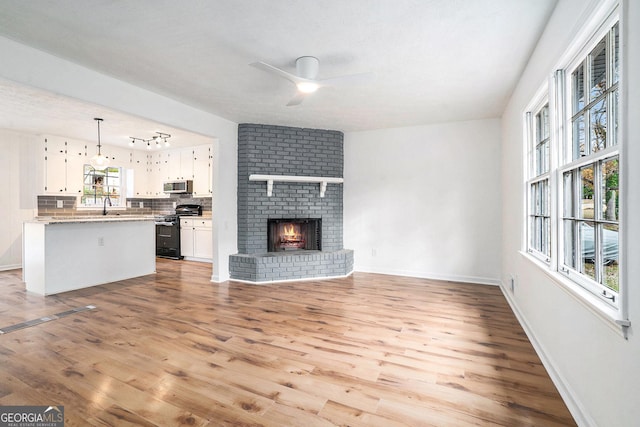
(590, 171)
(573, 170)
(539, 207)
(100, 185)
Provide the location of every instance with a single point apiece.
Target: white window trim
(585, 39)
(541, 98)
(122, 198)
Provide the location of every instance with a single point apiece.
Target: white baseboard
(577, 409)
(10, 267)
(433, 276)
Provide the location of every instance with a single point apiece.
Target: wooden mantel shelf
(270, 179)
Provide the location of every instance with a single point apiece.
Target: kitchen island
(64, 254)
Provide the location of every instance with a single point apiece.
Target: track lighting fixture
(157, 139)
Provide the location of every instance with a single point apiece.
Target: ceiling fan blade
(348, 80)
(277, 71)
(296, 100)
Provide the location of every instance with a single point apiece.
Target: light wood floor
(370, 350)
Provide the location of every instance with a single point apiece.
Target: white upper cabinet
(139, 163)
(76, 159)
(159, 171)
(180, 162)
(64, 160)
(63, 164)
(202, 170)
(118, 156)
(55, 165)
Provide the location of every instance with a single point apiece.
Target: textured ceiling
(433, 60)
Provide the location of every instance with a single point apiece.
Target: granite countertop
(86, 219)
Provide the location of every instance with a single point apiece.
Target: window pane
(100, 183)
(538, 199)
(616, 54)
(578, 88)
(579, 146)
(609, 178)
(544, 197)
(538, 233)
(613, 134)
(544, 134)
(532, 232)
(532, 199)
(569, 210)
(598, 83)
(546, 230)
(587, 241)
(598, 134)
(542, 158)
(569, 243)
(586, 192)
(610, 257)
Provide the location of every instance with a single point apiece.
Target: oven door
(168, 240)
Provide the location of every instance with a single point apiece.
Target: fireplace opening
(294, 234)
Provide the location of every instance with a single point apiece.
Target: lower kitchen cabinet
(196, 239)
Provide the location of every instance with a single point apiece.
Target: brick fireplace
(312, 162)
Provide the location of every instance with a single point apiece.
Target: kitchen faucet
(104, 205)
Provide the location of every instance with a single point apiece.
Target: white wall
(20, 177)
(38, 69)
(425, 201)
(594, 367)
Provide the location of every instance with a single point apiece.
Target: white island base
(64, 255)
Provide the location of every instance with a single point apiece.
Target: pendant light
(99, 161)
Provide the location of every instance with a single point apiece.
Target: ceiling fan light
(307, 87)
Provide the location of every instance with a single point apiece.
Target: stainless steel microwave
(178, 186)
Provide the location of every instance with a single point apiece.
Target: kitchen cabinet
(76, 159)
(160, 171)
(63, 165)
(180, 163)
(145, 170)
(62, 255)
(139, 162)
(118, 156)
(202, 170)
(196, 239)
(55, 167)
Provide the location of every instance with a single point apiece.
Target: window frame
(570, 162)
(558, 90)
(534, 177)
(117, 199)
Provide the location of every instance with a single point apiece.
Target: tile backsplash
(48, 206)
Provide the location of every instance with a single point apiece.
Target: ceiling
(433, 60)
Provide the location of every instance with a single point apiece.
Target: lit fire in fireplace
(294, 234)
(290, 236)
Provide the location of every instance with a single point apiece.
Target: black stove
(188, 210)
(168, 231)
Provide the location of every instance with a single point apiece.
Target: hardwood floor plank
(174, 349)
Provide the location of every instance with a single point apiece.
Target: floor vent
(34, 322)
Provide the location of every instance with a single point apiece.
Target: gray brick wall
(280, 150)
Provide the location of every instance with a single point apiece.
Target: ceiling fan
(306, 80)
